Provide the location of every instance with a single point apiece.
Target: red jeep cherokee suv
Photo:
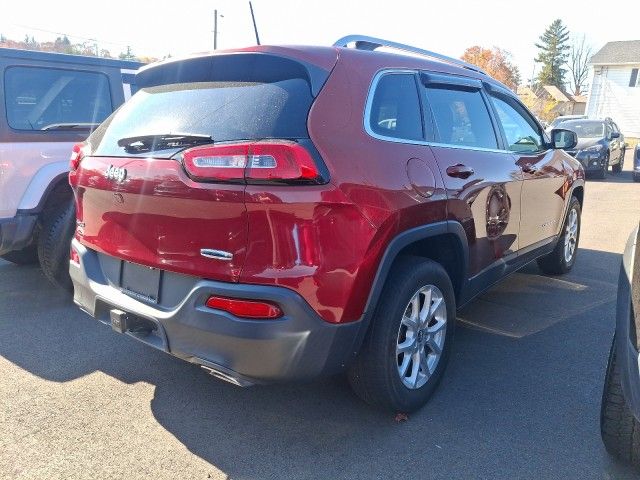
(277, 213)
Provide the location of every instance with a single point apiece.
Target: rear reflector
(258, 162)
(75, 258)
(77, 153)
(245, 308)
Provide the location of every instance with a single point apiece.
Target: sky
(157, 28)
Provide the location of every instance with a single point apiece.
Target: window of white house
(634, 81)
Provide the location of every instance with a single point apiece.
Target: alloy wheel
(421, 336)
(571, 236)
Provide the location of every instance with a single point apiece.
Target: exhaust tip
(225, 376)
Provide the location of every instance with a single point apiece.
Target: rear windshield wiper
(149, 143)
(70, 126)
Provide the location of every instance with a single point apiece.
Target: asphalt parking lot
(520, 398)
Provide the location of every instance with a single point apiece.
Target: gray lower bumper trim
(299, 345)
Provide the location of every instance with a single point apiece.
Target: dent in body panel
(310, 239)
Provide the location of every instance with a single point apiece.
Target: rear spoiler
(237, 66)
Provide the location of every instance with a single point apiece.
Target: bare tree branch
(578, 64)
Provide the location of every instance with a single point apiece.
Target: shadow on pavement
(523, 405)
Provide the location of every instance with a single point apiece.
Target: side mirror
(563, 139)
(614, 135)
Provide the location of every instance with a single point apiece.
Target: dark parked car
(600, 145)
(636, 164)
(620, 410)
(278, 213)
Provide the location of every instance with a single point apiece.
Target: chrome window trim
(371, 133)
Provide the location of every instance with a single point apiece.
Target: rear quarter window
(41, 99)
(395, 108)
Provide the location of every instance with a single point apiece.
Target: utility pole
(215, 28)
(255, 28)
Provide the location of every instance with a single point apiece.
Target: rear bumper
(17, 232)
(299, 345)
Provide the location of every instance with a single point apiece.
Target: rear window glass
(55, 99)
(395, 108)
(225, 111)
(461, 118)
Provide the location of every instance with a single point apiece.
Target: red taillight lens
(78, 152)
(74, 256)
(281, 162)
(245, 308)
(268, 161)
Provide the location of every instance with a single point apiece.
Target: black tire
(636, 177)
(602, 173)
(374, 375)
(54, 245)
(617, 168)
(26, 256)
(555, 263)
(619, 429)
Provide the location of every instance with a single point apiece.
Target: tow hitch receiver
(119, 320)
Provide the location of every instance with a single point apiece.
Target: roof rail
(363, 42)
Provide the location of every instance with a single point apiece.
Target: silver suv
(48, 102)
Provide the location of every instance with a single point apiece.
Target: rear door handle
(460, 171)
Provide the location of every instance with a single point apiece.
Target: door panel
(483, 183)
(543, 196)
(486, 203)
(543, 189)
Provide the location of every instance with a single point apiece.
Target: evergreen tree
(553, 54)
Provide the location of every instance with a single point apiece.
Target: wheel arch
(424, 241)
(58, 190)
(444, 242)
(578, 192)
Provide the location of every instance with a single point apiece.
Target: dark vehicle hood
(588, 142)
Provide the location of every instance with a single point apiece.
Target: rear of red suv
(208, 224)
(278, 213)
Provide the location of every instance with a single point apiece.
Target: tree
(496, 62)
(128, 55)
(578, 64)
(553, 54)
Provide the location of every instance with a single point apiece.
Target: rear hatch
(161, 183)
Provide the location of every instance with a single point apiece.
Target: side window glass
(55, 99)
(395, 108)
(521, 131)
(461, 117)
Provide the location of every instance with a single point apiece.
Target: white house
(615, 85)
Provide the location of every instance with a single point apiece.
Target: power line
(69, 35)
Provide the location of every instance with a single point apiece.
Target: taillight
(77, 153)
(245, 308)
(74, 256)
(259, 162)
